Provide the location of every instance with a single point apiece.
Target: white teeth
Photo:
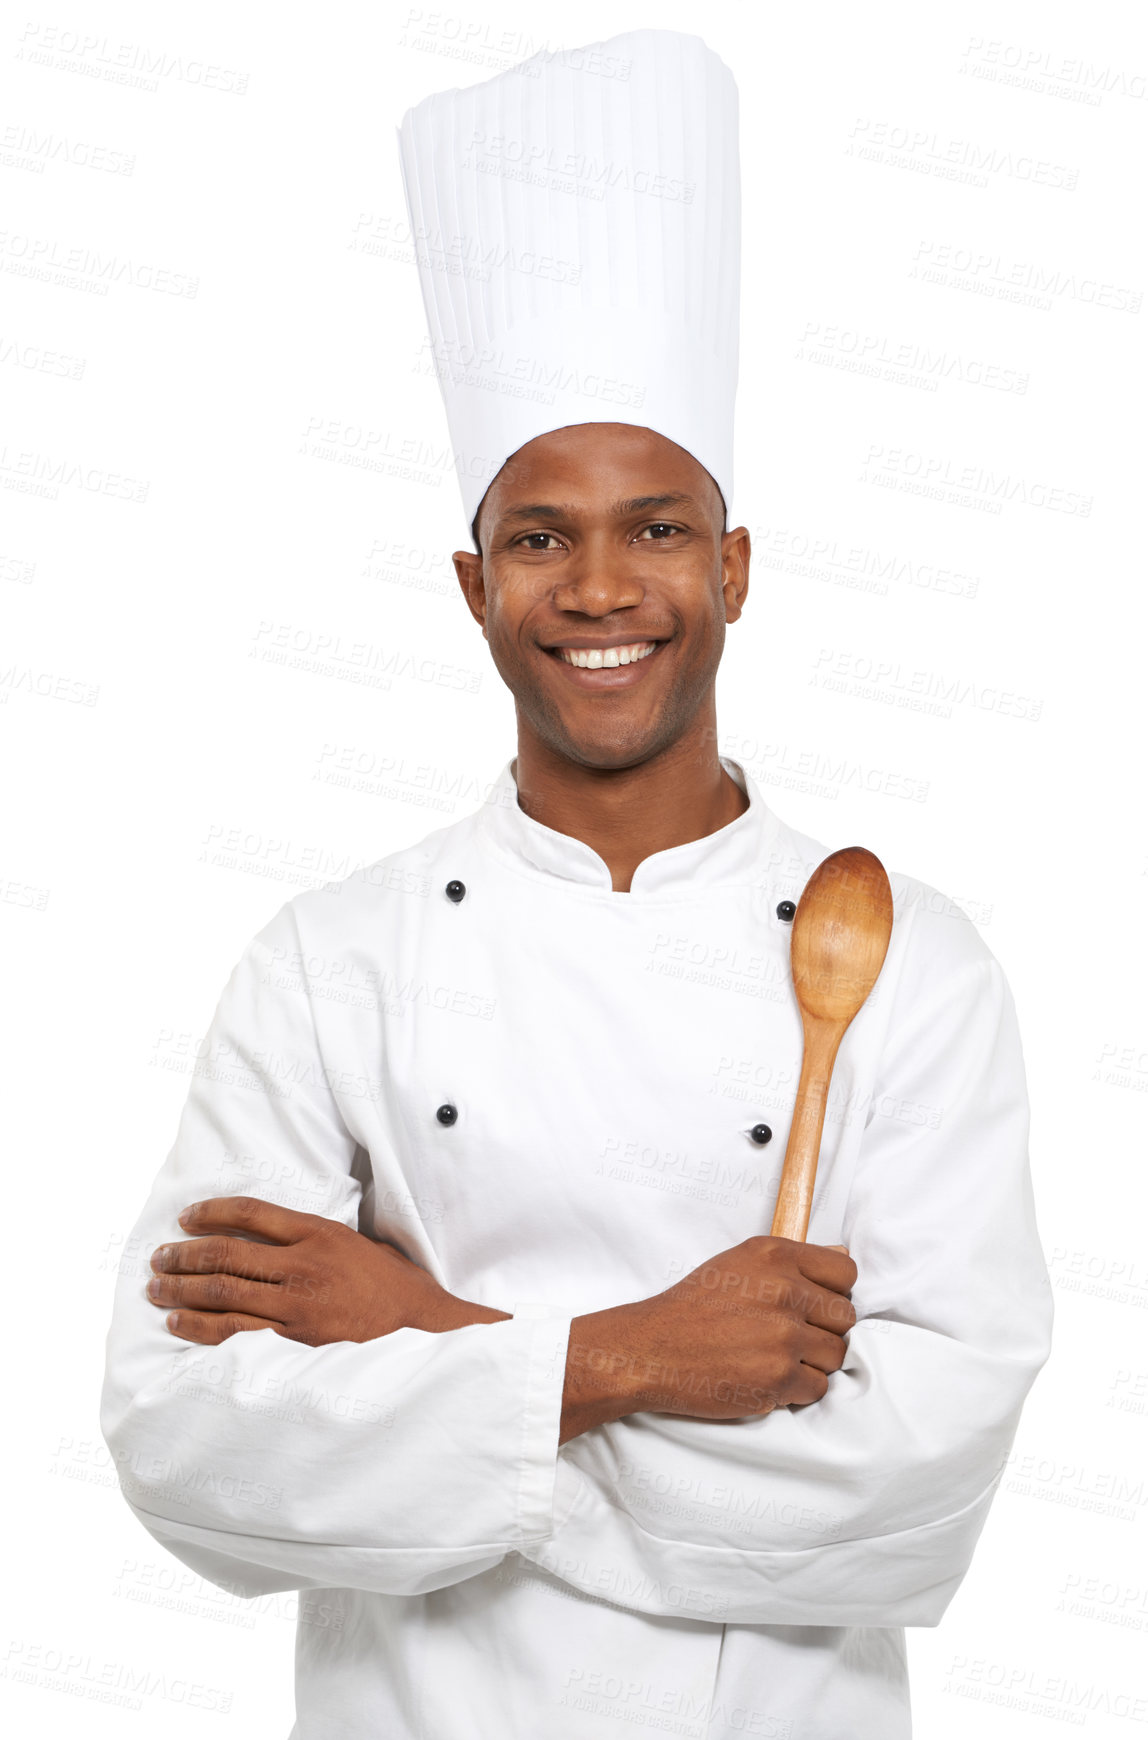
(597, 658)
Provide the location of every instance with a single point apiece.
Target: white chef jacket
(608, 1056)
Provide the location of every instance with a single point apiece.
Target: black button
(761, 1134)
(786, 911)
(455, 890)
(447, 1114)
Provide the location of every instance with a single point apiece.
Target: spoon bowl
(840, 938)
(840, 934)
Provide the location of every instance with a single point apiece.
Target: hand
(758, 1327)
(310, 1279)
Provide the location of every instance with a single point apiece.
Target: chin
(610, 756)
(610, 748)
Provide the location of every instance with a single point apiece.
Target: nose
(597, 582)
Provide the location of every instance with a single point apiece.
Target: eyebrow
(636, 504)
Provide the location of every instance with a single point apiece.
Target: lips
(607, 655)
(605, 664)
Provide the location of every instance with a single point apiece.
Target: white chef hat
(577, 226)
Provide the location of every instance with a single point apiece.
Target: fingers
(251, 1216)
(803, 1385)
(828, 1265)
(831, 1311)
(219, 1293)
(811, 1386)
(825, 1352)
(208, 1329)
(219, 1256)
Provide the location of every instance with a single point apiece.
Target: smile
(602, 669)
(595, 658)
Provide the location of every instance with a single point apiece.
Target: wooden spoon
(840, 936)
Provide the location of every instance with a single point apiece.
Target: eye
(524, 540)
(660, 526)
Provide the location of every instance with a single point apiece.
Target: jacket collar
(742, 852)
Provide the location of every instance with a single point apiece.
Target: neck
(626, 814)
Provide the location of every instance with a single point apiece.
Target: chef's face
(604, 586)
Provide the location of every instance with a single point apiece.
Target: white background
(200, 269)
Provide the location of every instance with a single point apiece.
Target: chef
(463, 1319)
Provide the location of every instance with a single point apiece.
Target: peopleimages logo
(934, 692)
(937, 474)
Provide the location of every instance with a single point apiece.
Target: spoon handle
(795, 1192)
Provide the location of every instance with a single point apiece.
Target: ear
(468, 567)
(734, 571)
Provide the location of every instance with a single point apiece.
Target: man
(502, 1369)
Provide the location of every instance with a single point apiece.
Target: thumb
(844, 1248)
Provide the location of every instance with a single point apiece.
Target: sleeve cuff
(541, 1417)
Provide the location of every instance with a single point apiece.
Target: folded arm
(849, 1486)
(400, 1463)
(863, 1508)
